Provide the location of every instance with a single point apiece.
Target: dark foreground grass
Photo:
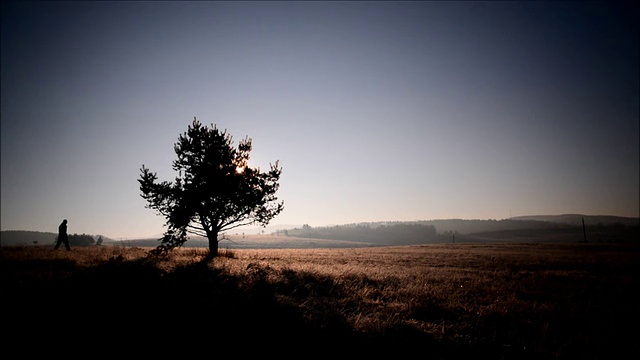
(506, 301)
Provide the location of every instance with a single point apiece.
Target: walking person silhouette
(62, 236)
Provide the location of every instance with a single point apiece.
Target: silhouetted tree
(99, 241)
(215, 190)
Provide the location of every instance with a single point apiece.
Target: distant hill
(612, 233)
(22, 238)
(566, 227)
(443, 226)
(461, 226)
(576, 219)
(555, 228)
(27, 237)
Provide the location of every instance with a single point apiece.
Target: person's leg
(66, 244)
(57, 244)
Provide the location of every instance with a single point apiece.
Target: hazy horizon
(273, 228)
(376, 111)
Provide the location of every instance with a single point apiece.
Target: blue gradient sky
(376, 110)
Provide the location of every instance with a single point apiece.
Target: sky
(376, 111)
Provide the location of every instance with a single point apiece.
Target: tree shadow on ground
(138, 308)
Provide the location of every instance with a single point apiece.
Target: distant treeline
(589, 220)
(22, 238)
(397, 233)
(459, 230)
(427, 229)
(461, 226)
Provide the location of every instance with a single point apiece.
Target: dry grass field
(448, 301)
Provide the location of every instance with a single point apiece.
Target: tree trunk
(213, 243)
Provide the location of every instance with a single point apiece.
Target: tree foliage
(216, 190)
(80, 240)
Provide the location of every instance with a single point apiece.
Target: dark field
(449, 301)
